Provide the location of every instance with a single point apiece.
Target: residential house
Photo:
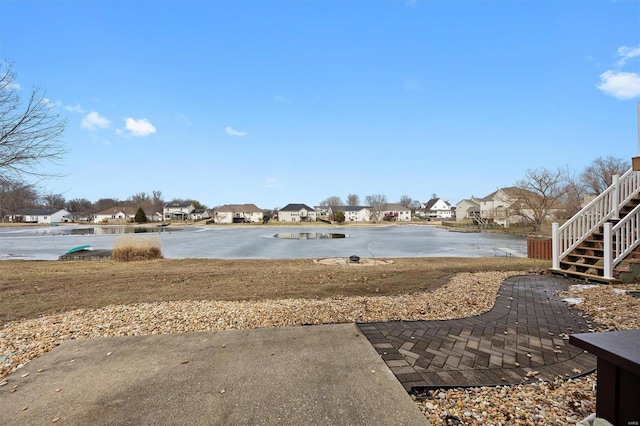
(238, 213)
(296, 213)
(437, 208)
(42, 216)
(356, 213)
(393, 212)
(323, 212)
(469, 208)
(199, 214)
(177, 211)
(119, 214)
(508, 206)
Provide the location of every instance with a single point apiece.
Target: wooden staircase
(601, 243)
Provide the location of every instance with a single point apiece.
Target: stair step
(593, 249)
(584, 256)
(582, 265)
(586, 276)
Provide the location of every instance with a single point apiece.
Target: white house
(43, 216)
(323, 212)
(296, 213)
(437, 208)
(394, 213)
(199, 214)
(116, 214)
(469, 208)
(177, 211)
(238, 213)
(356, 213)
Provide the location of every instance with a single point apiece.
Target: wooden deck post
(608, 255)
(555, 250)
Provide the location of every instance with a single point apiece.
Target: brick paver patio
(523, 339)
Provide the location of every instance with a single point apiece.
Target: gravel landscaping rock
(551, 403)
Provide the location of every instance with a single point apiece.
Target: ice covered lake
(264, 242)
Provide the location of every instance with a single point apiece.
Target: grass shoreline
(33, 288)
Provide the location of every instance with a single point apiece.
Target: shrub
(129, 248)
(339, 216)
(140, 216)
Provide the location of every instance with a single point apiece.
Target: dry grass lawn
(29, 289)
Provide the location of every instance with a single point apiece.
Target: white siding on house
(240, 212)
(177, 211)
(361, 214)
(47, 216)
(301, 215)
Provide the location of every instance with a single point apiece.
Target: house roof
(177, 205)
(353, 208)
(239, 208)
(433, 201)
(128, 210)
(513, 192)
(38, 212)
(394, 207)
(296, 207)
(472, 201)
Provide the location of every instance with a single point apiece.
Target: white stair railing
(603, 208)
(623, 238)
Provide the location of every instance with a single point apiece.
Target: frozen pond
(261, 242)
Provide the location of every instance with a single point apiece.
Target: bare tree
(599, 175)
(539, 195)
(353, 200)
(375, 202)
(150, 203)
(54, 201)
(574, 193)
(105, 203)
(406, 201)
(15, 196)
(157, 201)
(196, 204)
(79, 205)
(332, 202)
(30, 131)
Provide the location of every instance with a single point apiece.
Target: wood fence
(539, 248)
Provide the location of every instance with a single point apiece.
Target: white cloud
(93, 120)
(620, 85)
(233, 132)
(139, 127)
(75, 108)
(625, 53)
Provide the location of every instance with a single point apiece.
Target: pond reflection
(108, 230)
(309, 236)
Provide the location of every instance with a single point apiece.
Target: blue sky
(277, 102)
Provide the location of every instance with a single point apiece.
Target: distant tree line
(542, 192)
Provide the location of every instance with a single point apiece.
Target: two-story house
(238, 213)
(356, 213)
(437, 208)
(296, 213)
(469, 208)
(177, 211)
